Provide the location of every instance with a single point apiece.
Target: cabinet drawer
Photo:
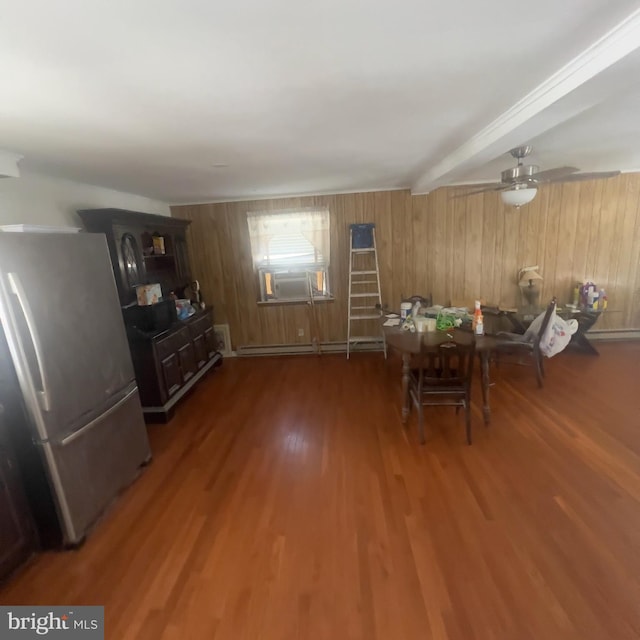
(210, 342)
(188, 365)
(171, 373)
(200, 350)
(181, 337)
(165, 347)
(199, 326)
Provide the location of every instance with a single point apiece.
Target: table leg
(406, 360)
(586, 320)
(580, 340)
(485, 357)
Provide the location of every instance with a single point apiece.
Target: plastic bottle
(576, 294)
(602, 300)
(478, 320)
(479, 326)
(586, 294)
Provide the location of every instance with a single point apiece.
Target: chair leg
(539, 369)
(467, 417)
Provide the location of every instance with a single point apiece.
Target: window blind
(288, 239)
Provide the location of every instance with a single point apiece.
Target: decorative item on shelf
(529, 281)
(147, 294)
(195, 295)
(184, 308)
(158, 245)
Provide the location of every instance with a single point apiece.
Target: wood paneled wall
(458, 249)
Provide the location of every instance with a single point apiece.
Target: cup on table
(430, 324)
(420, 323)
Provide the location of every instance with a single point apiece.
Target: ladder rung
(368, 250)
(363, 272)
(368, 307)
(366, 316)
(375, 294)
(364, 282)
(365, 339)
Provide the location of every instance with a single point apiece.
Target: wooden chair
(443, 378)
(529, 343)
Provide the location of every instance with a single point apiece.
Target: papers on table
(392, 315)
(392, 322)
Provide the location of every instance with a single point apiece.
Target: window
(290, 252)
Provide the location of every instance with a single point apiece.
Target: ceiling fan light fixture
(518, 196)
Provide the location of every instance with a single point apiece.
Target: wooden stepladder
(365, 301)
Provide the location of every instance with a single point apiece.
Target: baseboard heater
(302, 349)
(614, 334)
(341, 347)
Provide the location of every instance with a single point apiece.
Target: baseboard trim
(341, 347)
(614, 334)
(305, 349)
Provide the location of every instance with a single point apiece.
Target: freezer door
(66, 325)
(91, 466)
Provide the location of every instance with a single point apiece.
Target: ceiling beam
(612, 47)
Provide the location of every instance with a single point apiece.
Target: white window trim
(302, 272)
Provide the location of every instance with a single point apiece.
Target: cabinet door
(16, 533)
(200, 349)
(181, 258)
(171, 373)
(211, 342)
(187, 361)
(131, 265)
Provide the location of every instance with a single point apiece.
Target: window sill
(271, 303)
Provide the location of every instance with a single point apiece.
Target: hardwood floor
(286, 500)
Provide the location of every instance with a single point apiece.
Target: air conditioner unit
(291, 285)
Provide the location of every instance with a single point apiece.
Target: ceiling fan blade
(495, 186)
(578, 177)
(553, 174)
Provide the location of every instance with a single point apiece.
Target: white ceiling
(147, 96)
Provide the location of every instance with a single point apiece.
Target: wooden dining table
(409, 344)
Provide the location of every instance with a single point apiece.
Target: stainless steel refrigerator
(66, 359)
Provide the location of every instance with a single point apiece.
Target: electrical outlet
(300, 332)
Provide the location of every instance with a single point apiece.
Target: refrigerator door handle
(87, 427)
(18, 290)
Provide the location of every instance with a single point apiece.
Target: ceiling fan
(519, 185)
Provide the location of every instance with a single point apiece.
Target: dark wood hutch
(147, 249)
